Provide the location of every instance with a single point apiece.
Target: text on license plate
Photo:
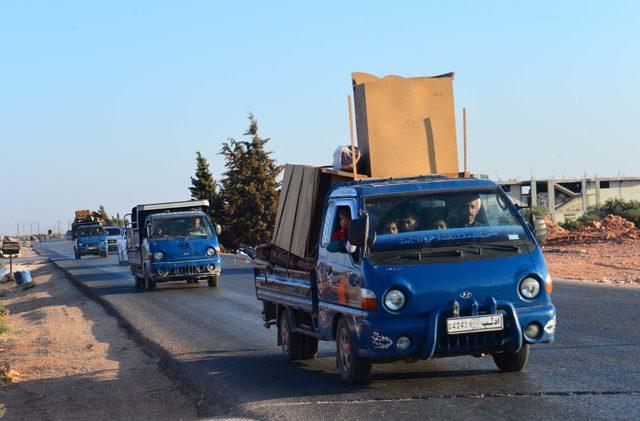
(457, 325)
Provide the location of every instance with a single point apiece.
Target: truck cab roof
(168, 215)
(378, 187)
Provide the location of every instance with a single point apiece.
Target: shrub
(570, 225)
(3, 310)
(3, 327)
(539, 211)
(629, 210)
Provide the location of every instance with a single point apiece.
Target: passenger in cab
(340, 237)
(391, 227)
(410, 222)
(440, 224)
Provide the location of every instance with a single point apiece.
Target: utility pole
(464, 127)
(31, 230)
(58, 226)
(18, 234)
(38, 228)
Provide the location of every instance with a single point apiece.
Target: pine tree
(103, 213)
(249, 190)
(203, 186)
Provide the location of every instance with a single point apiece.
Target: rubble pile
(554, 230)
(611, 228)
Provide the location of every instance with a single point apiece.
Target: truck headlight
(394, 299)
(210, 251)
(529, 288)
(158, 255)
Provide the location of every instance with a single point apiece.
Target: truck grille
(468, 343)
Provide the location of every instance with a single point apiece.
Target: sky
(107, 102)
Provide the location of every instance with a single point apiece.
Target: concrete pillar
(583, 192)
(551, 192)
(597, 191)
(516, 192)
(534, 193)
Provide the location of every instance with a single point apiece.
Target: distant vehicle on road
(173, 241)
(69, 235)
(403, 269)
(90, 239)
(114, 234)
(89, 236)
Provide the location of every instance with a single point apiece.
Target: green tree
(249, 190)
(203, 186)
(103, 213)
(110, 220)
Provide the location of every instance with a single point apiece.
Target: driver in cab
(465, 213)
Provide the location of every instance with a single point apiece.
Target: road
(216, 338)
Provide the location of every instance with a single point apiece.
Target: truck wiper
(418, 255)
(502, 247)
(480, 246)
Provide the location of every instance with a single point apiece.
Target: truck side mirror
(540, 229)
(148, 227)
(218, 229)
(359, 231)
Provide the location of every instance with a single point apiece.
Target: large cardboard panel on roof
(405, 126)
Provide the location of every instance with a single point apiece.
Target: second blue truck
(173, 241)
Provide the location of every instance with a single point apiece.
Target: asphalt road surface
(216, 338)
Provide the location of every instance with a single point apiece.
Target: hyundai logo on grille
(465, 294)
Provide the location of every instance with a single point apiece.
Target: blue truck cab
(404, 269)
(173, 241)
(89, 239)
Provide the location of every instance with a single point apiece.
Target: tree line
(245, 200)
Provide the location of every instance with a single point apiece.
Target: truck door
(335, 265)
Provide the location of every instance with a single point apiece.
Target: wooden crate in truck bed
(299, 216)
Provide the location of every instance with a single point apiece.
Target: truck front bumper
(186, 269)
(378, 339)
(92, 250)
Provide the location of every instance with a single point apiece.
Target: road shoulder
(65, 355)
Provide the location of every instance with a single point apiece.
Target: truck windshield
(183, 226)
(113, 231)
(415, 221)
(89, 231)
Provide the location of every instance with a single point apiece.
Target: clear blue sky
(107, 102)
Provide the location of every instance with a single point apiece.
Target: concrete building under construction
(568, 199)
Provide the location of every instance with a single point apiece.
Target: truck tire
(213, 281)
(509, 362)
(149, 284)
(310, 348)
(353, 369)
(292, 343)
(138, 281)
(77, 255)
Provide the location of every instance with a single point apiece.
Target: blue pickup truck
(88, 235)
(403, 269)
(173, 241)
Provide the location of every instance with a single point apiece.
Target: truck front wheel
(139, 281)
(509, 362)
(353, 369)
(149, 284)
(213, 281)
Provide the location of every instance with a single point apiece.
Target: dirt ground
(607, 252)
(65, 358)
(606, 262)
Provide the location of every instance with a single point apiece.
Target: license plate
(458, 325)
